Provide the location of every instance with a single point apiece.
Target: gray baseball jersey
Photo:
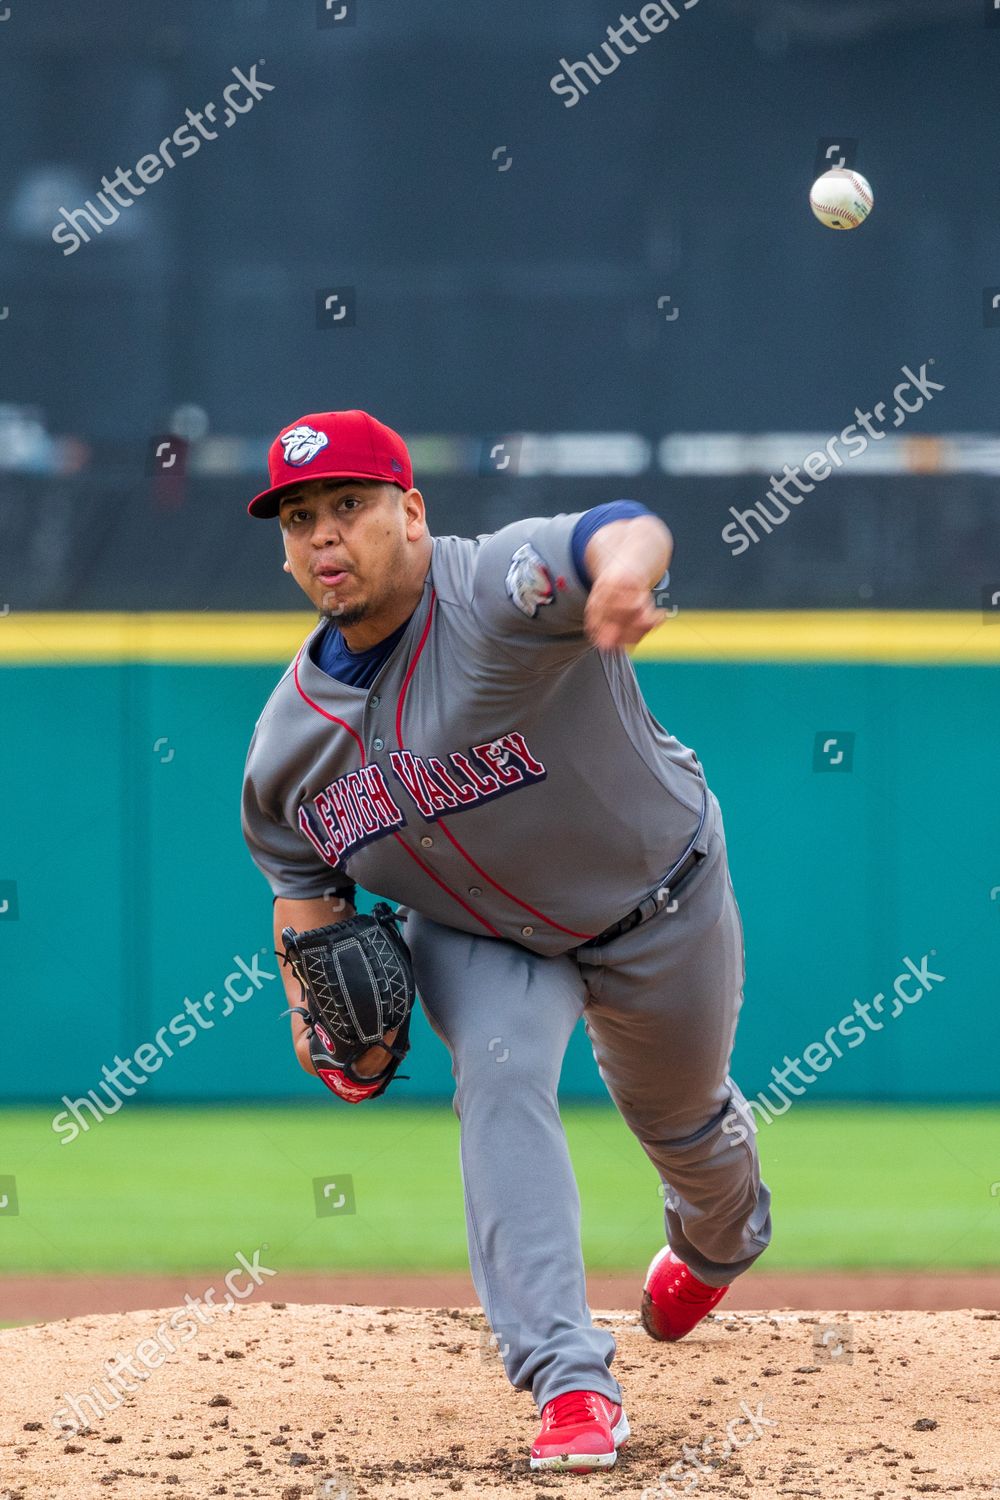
(500, 775)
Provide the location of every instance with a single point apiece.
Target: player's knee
(692, 1141)
(505, 1075)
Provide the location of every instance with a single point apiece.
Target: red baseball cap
(332, 445)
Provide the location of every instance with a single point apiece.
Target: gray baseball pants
(660, 1005)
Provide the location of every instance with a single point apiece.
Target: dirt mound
(345, 1403)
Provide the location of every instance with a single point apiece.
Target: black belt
(668, 887)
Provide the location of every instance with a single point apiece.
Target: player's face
(349, 544)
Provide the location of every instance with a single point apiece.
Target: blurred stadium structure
(630, 295)
(119, 541)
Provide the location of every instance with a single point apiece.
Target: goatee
(345, 617)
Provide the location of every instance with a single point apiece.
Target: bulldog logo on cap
(301, 445)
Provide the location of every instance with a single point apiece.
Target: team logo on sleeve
(529, 582)
(301, 444)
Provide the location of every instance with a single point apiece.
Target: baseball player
(463, 734)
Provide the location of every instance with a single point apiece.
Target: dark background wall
(129, 542)
(489, 300)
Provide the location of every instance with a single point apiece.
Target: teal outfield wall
(128, 888)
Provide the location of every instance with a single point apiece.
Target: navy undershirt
(358, 668)
(331, 653)
(593, 520)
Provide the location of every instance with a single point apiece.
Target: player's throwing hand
(625, 559)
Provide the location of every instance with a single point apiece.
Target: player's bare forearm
(303, 915)
(625, 559)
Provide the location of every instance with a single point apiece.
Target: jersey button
(374, 700)
(527, 931)
(475, 890)
(426, 842)
(378, 744)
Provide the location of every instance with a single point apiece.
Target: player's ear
(415, 513)
(286, 566)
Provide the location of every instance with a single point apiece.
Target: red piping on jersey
(410, 670)
(504, 892)
(352, 732)
(447, 832)
(361, 751)
(438, 881)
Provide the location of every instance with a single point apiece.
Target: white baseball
(841, 199)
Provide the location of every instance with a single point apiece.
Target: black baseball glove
(357, 984)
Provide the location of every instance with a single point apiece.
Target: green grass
(165, 1189)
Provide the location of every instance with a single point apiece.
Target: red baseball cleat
(581, 1430)
(673, 1299)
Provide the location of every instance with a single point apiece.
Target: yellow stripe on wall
(948, 637)
(62, 639)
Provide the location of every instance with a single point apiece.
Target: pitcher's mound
(345, 1403)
